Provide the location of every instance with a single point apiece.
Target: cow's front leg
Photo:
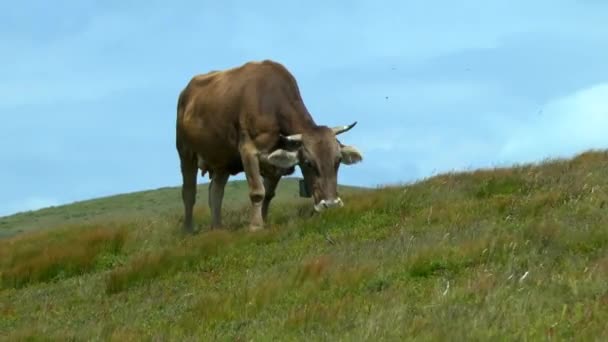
(251, 165)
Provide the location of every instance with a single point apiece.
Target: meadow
(516, 253)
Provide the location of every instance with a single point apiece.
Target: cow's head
(319, 155)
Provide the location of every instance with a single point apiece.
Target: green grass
(517, 253)
(132, 206)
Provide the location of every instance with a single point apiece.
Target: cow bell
(304, 190)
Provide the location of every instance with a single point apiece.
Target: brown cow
(252, 118)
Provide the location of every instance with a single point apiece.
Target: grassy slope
(519, 253)
(133, 205)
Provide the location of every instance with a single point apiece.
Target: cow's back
(214, 107)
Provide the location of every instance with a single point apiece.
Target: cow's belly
(217, 152)
(217, 157)
(216, 144)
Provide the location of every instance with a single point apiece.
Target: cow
(251, 118)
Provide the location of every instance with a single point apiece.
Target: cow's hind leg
(189, 171)
(216, 195)
(251, 165)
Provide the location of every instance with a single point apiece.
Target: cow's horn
(341, 129)
(293, 138)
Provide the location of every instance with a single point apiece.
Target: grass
(133, 206)
(516, 253)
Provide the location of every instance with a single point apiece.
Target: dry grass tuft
(321, 315)
(186, 255)
(34, 259)
(314, 269)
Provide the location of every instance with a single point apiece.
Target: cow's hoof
(255, 228)
(186, 231)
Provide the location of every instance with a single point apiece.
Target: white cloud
(565, 127)
(114, 51)
(110, 53)
(332, 36)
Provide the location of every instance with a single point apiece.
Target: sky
(88, 90)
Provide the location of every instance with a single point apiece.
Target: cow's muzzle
(326, 204)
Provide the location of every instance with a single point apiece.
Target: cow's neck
(299, 121)
(301, 126)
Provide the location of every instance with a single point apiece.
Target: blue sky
(88, 91)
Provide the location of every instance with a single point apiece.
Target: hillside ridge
(515, 253)
(163, 200)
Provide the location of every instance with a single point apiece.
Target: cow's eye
(307, 163)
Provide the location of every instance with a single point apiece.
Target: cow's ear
(283, 158)
(350, 155)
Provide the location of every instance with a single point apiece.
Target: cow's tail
(186, 155)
